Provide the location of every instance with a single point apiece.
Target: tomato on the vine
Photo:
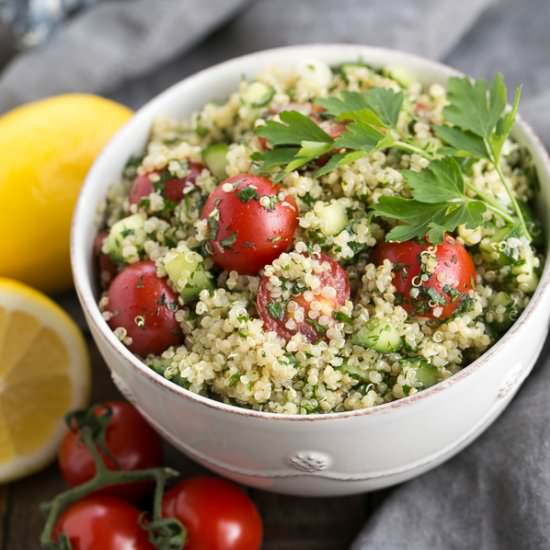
(132, 445)
(251, 221)
(102, 523)
(144, 305)
(216, 513)
(435, 294)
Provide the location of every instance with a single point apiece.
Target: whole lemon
(46, 149)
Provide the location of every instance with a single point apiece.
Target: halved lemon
(44, 373)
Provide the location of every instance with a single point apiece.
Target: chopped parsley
(343, 318)
(234, 379)
(229, 241)
(436, 297)
(131, 167)
(213, 226)
(247, 193)
(276, 310)
(319, 329)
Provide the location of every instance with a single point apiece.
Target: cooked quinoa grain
(327, 324)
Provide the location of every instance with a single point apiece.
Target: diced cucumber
(503, 319)
(187, 273)
(379, 335)
(314, 72)
(356, 372)
(121, 229)
(347, 67)
(257, 94)
(526, 271)
(215, 158)
(333, 217)
(501, 299)
(426, 374)
(401, 75)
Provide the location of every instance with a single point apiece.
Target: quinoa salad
(324, 239)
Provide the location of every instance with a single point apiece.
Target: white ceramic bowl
(331, 454)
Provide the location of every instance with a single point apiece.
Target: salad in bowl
(324, 239)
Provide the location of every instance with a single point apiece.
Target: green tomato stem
(105, 477)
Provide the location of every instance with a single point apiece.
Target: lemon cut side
(44, 373)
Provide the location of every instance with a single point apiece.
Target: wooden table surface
(291, 523)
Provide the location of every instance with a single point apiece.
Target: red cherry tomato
(173, 188)
(217, 514)
(106, 268)
(132, 443)
(141, 187)
(443, 291)
(333, 128)
(336, 278)
(249, 223)
(145, 306)
(102, 523)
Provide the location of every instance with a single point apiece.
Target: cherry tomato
(333, 128)
(102, 522)
(145, 306)
(442, 291)
(251, 222)
(132, 443)
(217, 514)
(336, 278)
(174, 188)
(106, 268)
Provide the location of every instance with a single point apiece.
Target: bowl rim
(90, 306)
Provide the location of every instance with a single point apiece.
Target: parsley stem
(412, 149)
(513, 200)
(491, 203)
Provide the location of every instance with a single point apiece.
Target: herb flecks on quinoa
(313, 310)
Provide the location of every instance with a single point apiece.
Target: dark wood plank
(4, 517)
(290, 523)
(293, 523)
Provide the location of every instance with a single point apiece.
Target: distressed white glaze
(331, 454)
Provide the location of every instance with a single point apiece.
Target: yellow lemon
(44, 373)
(46, 149)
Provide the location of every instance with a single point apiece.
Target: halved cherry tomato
(333, 128)
(106, 268)
(251, 222)
(217, 514)
(336, 278)
(102, 523)
(132, 445)
(173, 189)
(145, 306)
(438, 294)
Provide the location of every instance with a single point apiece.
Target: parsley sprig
(439, 204)
(371, 119)
(296, 141)
(479, 122)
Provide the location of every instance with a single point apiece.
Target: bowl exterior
(323, 454)
(333, 456)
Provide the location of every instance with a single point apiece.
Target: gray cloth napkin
(496, 494)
